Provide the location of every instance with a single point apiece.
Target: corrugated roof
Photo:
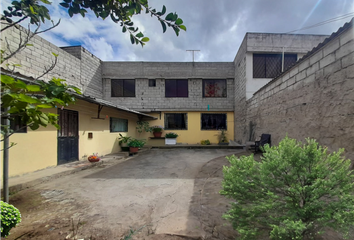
(83, 97)
(345, 27)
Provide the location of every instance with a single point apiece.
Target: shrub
(10, 217)
(293, 193)
(156, 128)
(136, 143)
(205, 142)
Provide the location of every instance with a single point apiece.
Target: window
(214, 88)
(175, 121)
(123, 88)
(118, 125)
(16, 125)
(213, 121)
(176, 88)
(270, 65)
(152, 82)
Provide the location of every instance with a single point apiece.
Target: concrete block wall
(77, 67)
(153, 98)
(313, 99)
(240, 92)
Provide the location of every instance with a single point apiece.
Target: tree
(293, 193)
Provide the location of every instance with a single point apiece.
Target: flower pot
(133, 149)
(93, 159)
(170, 141)
(157, 134)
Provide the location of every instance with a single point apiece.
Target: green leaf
(163, 10)
(19, 84)
(179, 21)
(28, 99)
(176, 30)
(124, 29)
(139, 35)
(32, 10)
(34, 126)
(182, 27)
(63, 4)
(44, 106)
(29, 45)
(33, 88)
(163, 26)
(7, 79)
(175, 16)
(71, 13)
(55, 55)
(169, 17)
(132, 39)
(145, 39)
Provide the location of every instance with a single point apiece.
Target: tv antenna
(192, 52)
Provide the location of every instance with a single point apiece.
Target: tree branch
(13, 24)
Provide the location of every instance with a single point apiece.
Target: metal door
(68, 137)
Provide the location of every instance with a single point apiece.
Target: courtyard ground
(164, 193)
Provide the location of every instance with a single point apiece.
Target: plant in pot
(94, 158)
(223, 138)
(123, 142)
(134, 144)
(156, 130)
(170, 138)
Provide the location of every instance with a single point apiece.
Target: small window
(176, 88)
(118, 125)
(123, 88)
(213, 121)
(175, 121)
(152, 82)
(214, 88)
(18, 125)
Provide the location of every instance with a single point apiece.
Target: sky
(215, 27)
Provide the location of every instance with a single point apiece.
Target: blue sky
(215, 27)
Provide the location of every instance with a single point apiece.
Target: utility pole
(6, 159)
(192, 52)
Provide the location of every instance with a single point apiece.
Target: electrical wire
(325, 22)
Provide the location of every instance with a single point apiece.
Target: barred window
(269, 65)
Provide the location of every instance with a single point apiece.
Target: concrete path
(154, 189)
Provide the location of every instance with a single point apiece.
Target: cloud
(216, 28)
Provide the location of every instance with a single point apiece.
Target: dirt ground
(163, 194)
(168, 194)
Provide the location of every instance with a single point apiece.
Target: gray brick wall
(240, 93)
(75, 64)
(313, 99)
(153, 98)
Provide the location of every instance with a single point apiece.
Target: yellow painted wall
(34, 150)
(37, 150)
(103, 142)
(193, 134)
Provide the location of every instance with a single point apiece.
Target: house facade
(194, 99)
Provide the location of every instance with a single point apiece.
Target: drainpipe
(282, 61)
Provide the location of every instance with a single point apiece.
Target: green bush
(136, 143)
(10, 217)
(295, 192)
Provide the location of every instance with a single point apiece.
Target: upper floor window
(175, 121)
(270, 65)
(176, 88)
(152, 82)
(118, 125)
(123, 88)
(213, 121)
(214, 88)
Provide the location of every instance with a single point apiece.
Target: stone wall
(315, 98)
(76, 66)
(153, 98)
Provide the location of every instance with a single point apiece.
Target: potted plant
(134, 144)
(170, 138)
(94, 158)
(123, 142)
(156, 130)
(223, 138)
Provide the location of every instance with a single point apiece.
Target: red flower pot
(133, 149)
(93, 159)
(157, 134)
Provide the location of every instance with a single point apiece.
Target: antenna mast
(192, 52)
